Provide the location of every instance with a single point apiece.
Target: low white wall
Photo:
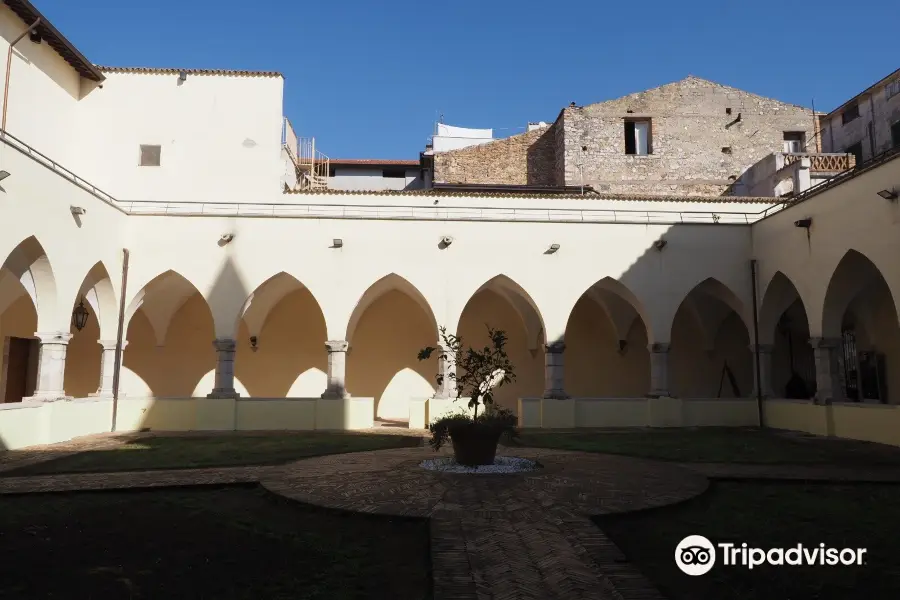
(32, 424)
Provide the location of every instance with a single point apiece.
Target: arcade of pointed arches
(279, 351)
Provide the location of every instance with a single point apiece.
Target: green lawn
(771, 515)
(718, 445)
(234, 543)
(181, 452)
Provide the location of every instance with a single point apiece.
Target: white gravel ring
(502, 464)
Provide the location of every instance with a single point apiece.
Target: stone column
(765, 370)
(224, 385)
(659, 370)
(107, 368)
(554, 371)
(51, 367)
(446, 368)
(337, 369)
(828, 378)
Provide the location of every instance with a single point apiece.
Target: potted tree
(479, 373)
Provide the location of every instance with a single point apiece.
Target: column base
(224, 394)
(335, 395)
(556, 395)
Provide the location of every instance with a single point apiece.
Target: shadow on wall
(540, 161)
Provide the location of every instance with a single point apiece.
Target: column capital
(54, 337)
(224, 344)
(555, 347)
(337, 346)
(659, 347)
(111, 344)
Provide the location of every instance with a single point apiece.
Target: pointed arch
(523, 304)
(710, 355)
(160, 299)
(379, 288)
(780, 294)
(29, 264)
(261, 301)
(97, 290)
(854, 274)
(620, 304)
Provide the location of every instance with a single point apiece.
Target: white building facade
(155, 198)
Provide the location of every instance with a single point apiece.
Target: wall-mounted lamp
(4, 175)
(660, 244)
(804, 223)
(888, 194)
(35, 36)
(553, 248)
(254, 343)
(623, 347)
(182, 76)
(77, 210)
(80, 315)
(445, 241)
(226, 238)
(337, 243)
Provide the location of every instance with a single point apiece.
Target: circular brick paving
(391, 482)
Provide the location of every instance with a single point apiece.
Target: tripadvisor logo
(696, 555)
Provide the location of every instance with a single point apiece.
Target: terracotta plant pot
(475, 445)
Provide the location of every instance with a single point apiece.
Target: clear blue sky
(369, 78)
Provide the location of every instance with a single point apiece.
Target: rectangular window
(855, 150)
(150, 155)
(637, 137)
(892, 89)
(895, 134)
(850, 113)
(794, 141)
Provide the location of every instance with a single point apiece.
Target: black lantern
(80, 316)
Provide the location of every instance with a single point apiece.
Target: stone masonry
(527, 158)
(703, 135)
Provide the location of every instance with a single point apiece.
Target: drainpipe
(759, 398)
(9, 55)
(117, 365)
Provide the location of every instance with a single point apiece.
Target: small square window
(150, 155)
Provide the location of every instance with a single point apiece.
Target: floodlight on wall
(77, 210)
(888, 194)
(553, 248)
(660, 244)
(226, 238)
(35, 36)
(446, 241)
(803, 223)
(80, 315)
(4, 175)
(337, 243)
(182, 76)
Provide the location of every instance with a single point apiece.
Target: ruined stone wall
(689, 127)
(527, 158)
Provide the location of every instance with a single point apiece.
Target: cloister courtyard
(353, 515)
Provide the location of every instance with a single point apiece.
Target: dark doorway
(17, 369)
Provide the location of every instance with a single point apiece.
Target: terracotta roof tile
(172, 71)
(538, 194)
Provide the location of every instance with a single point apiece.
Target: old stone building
(691, 137)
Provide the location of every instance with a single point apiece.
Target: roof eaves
(174, 71)
(866, 91)
(28, 13)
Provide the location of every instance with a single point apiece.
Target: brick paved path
(521, 536)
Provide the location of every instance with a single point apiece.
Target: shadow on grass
(222, 542)
(186, 452)
(714, 444)
(770, 515)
